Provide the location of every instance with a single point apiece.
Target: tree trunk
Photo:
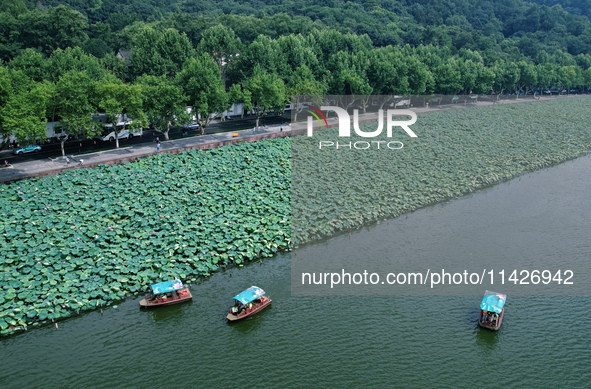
(166, 132)
(62, 144)
(116, 135)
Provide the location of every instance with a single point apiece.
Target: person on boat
(234, 310)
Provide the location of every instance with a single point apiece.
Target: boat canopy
(493, 302)
(168, 286)
(249, 295)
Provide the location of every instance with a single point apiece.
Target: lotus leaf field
(455, 153)
(89, 237)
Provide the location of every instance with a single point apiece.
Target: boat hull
(243, 315)
(169, 301)
(492, 327)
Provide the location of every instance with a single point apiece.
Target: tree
(267, 93)
(163, 102)
(294, 53)
(348, 76)
(235, 94)
(587, 77)
(116, 66)
(9, 46)
(528, 78)
(570, 76)
(72, 103)
(31, 63)
(448, 78)
(546, 76)
(119, 99)
(484, 79)
(263, 52)
(303, 83)
(157, 52)
(202, 84)
(67, 28)
(221, 44)
(23, 104)
(387, 74)
(506, 76)
(62, 61)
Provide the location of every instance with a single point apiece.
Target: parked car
(123, 134)
(402, 103)
(28, 149)
(191, 126)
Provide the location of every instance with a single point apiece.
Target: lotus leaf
(188, 214)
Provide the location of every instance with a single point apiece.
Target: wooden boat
(492, 310)
(247, 303)
(166, 293)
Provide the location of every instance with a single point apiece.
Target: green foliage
(221, 44)
(202, 84)
(119, 99)
(73, 59)
(456, 152)
(67, 28)
(72, 103)
(163, 103)
(23, 104)
(267, 93)
(157, 52)
(91, 237)
(31, 63)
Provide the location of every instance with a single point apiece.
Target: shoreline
(41, 168)
(116, 282)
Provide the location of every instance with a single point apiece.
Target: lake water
(348, 341)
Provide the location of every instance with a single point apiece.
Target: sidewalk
(38, 168)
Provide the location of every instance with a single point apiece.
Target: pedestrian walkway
(36, 168)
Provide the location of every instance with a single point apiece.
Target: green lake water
(345, 341)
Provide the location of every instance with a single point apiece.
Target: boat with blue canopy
(247, 303)
(492, 309)
(166, 293)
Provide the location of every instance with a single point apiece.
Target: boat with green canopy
(247, 303)
(492, 309)
(166, 293)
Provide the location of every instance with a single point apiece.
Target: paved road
(41, 163)
(23, 168)
(85, 146)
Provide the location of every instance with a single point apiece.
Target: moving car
(28, 149)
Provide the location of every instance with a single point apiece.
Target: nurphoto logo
(352, 135)
(345, 121)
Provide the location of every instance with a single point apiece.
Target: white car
(123, 134)
(191, 126)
